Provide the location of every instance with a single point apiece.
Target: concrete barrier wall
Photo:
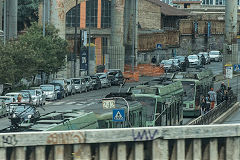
(160, 143)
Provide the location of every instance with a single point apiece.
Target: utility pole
(133, 33)
(230, 46)
(89, 37)
(75, 41)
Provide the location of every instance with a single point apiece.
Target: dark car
(183, 65)
(96, 82)
(23, 113)
(117, 76)
(59, 89)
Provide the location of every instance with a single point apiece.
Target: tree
(31, 53)
(27, 13)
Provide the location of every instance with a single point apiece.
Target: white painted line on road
(79, 104)
(69, 103)
(58, 103)
(90, 104)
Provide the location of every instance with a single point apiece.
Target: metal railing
(148, 143)
(213, 114)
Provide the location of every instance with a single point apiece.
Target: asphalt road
(82, 100)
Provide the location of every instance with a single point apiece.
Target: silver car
(194, 60)
(41, 94)
(215, 56)
(70, 87)
(50, 92)
(79, 84)
(105, 82)
(89, 83)
(35, 97)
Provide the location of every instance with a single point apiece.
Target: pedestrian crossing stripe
(118, 115)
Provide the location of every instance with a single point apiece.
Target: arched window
(106, 14)
(71, 18)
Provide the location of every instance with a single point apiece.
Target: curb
(225, 115)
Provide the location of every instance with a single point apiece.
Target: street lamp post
(75, 41)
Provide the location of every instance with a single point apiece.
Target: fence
(157, 143)
(213, 114)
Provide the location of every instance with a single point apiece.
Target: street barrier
(213, 114)
(142, 70)
(157, 143)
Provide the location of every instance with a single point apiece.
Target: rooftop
(168, 10)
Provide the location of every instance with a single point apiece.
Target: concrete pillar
(11, 19)
(116, 50)
(230, 47)
(57, 17)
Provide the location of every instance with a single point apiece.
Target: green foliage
(27, 13)
(32, 53)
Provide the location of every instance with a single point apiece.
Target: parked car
(7, 99)
(182, 62)
(194, 60)
(206, 55)
(117, 76)
(63, 82)
(89, 84)
(96, 82)
(168, 66)
(70, 87)
(215, 56)
(26, 96)
(41, 94)
(105, 82)
(176, 63)
(79, 84)
(3, 109)
(60, 90)
(23, 113)
(35, 97)
(49, 91)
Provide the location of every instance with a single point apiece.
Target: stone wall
(149, 15)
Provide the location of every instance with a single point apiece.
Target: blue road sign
(159, 46)
(236, 67)
(118, 115)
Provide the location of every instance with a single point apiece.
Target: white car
(70, 87)
(105, 82)
(215, 56)
(35, 97)
(49, 91)
(194, 60)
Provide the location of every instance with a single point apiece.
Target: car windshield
(180, 58)
(32, 92)
(189, 90)
(149, 105)
(6, 100)
(25, 95)
(76, 81)
(58, 88)
(58, 81)
(214, 53)
(102, 76)
(24, 109)
(166, 62)
(175, 61)
(193, 57)
(47, 88)
(86, 79)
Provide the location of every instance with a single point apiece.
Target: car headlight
(14, 115)
(29, 116)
